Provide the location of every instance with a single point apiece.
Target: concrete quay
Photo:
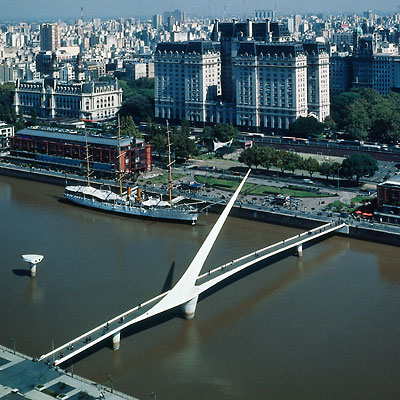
(363, 230)
(22, 378)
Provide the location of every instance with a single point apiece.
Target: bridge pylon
(299, 250)
(116, 340)
(189, 308)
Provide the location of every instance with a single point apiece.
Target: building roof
(194, 46)
(252, 48)
(316, 48)
(74, 136)
(394, 181)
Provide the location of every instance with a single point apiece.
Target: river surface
(326, 326)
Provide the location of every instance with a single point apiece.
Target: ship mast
(120, 173)
(87, 159)
(170, 167)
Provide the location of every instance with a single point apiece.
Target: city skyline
(43, 10)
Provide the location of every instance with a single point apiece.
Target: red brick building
(66, 149)
(388, 200)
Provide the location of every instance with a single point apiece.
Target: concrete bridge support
(189, 308)
(33, 260)
(299, 250)
(116, 341)
(33, 270)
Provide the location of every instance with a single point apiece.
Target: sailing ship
(133, 201)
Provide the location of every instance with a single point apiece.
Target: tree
(250, 156)
(267, 157)
(306, 126)
(325, 169)
(224, 132)
(20, 123)
(139, 105)
(311, 165)
(34, 120)
(138, 98)
(7, 111)
(206, 138)
(183, 147)
(128, 127)
(358, 165)
(364, 113)
(159, 143)
(357, 121)
(329, 168)
(386, 125)
(185, 127)
(130, 87)
(288, 161)
(339, 106)
(330, 124)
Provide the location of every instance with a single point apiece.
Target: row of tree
(138, 98)
(7, 111)
(357, 165)
(183, 146)
(365, 114)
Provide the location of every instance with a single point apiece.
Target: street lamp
(112, 382)
(13, 340)
(338, 188)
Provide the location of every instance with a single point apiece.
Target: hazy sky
(67, 9)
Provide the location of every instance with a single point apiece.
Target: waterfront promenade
(245, 207)
(22, 378)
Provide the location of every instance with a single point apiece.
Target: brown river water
(326, 326)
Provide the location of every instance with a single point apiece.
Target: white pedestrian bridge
(186, 291)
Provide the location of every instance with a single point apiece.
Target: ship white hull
(162, 213)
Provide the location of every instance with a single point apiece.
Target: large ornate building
(245, 75)
(6, 133)
(51, 98)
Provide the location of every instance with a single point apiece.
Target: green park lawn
(360, 199)
(264, 190)
(253, 189)
(222, 184)
(160, 179)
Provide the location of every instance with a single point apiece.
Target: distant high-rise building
(340, 73)
(178, 15)
(289, 23)
(49, 37)
(157, 21)
(264, 14)
(368, 14)
(135, 70)
(297, 22)
(96, 23)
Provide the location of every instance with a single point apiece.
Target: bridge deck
(216, 275)
(203, 282)
(100, 333)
